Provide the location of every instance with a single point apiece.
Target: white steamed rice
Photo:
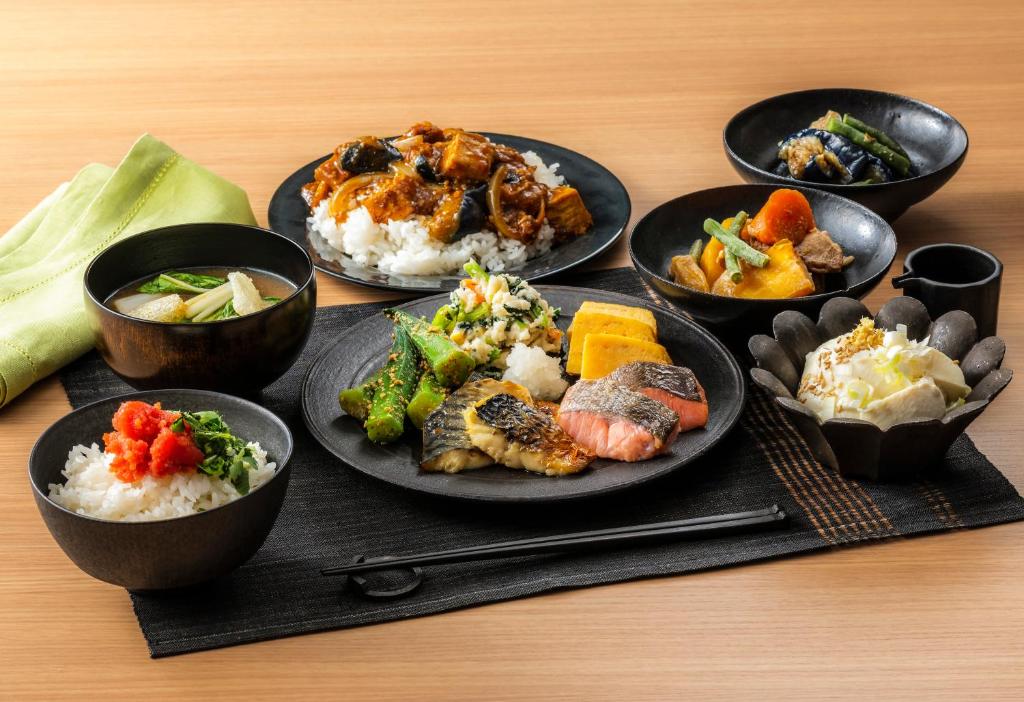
(405, 247)
(93, 490)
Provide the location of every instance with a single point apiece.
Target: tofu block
(638, 313)
(591, 322)
(603, 353)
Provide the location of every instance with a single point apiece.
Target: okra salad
(490, 315)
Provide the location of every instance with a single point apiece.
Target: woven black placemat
(333, 512)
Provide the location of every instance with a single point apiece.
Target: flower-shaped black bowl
(670, 228)
(860, 449)
(936, 142)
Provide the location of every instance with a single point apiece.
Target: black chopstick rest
(375, 592)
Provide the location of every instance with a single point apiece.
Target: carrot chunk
(786, 215)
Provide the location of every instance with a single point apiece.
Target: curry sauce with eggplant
(431, 199)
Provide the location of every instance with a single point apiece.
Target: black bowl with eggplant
(885, 151)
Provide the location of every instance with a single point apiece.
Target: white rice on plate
(93, 490)
(405, 247)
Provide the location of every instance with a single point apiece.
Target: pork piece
(567, 213)
(675, 387)
(427, 130)
(446, 444)
(820, 254)
(400, 198)
(327, 176)
(506, 154)
(466, 156)
(518, 435)
(520, 191)
(616, 422)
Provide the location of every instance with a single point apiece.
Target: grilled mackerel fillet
(446, 444)
(519, 435)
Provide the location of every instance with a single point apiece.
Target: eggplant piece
(369, 155)
(422, 166)
(877, 171)
(824, 157)
(472, 211)
(452, 221)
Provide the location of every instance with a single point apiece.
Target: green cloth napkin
(44, 256)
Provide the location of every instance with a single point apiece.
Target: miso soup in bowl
(213, 306)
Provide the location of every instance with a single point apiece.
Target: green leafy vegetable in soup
(176, 282)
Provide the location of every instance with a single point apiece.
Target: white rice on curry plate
(405, 247)
(93, 490)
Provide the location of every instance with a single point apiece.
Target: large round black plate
(362, 348)
(603, 193)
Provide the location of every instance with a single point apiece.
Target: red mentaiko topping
(144, 443)
(131, 456)
(171, 453)
(141, 420)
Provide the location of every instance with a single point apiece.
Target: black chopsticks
(717, 525)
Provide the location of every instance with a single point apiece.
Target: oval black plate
(603, 193)
(363, 347)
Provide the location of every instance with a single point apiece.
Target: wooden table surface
(254, 91)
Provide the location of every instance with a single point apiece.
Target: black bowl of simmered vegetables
(885, 151)
(667, 235)
(213, 306)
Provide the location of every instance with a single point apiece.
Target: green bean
(696, 249)
(732, 242)
(732, 267)
(898, 163)
(876, 133)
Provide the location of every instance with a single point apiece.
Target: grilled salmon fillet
(673, 386)
(616, 422)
